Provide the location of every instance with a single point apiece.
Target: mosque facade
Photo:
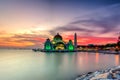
(59, 44)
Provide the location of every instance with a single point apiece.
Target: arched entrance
(60, 46)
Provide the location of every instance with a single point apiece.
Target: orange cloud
(91, 40)
(21, 41)
(13, 42)
(35, 40)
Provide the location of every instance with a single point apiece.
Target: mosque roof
(57, 37)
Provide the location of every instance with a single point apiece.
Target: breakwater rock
(108, 74)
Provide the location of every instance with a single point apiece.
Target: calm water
(29, 65)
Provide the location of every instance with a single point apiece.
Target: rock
(110, 74)
(117, 76)
(100, 76)
(89, 72)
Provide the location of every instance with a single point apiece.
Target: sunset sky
(27, 23)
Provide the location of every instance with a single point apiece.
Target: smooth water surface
(29, 65)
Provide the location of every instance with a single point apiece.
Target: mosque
(59, 44)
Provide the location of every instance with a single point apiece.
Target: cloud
(84, 40)
(105, 20)
(2, 32)
(22, 40)
(33, 39)
(91, 28)
(108, 23)
(37, 40)
(70, 28)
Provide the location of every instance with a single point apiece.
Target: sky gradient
(27, 23)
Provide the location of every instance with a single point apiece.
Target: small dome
(57, 37)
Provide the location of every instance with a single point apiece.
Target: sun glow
(17, 44)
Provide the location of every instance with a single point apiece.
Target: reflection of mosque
(58, 43)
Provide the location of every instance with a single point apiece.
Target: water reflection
(28, 65)
(97, 58)
(117, 58)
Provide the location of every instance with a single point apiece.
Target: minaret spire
(119, 37)
(118, 42)
(75, 41)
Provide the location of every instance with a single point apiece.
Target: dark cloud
(108, 23)
(106, 19)
(69, 28)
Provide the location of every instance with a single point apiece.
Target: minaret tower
(119, 37)
(75, 41)
(118, 42)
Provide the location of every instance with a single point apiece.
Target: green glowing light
(48, 47)
(58, 44)
(71, 47)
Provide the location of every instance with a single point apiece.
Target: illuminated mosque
(59, 44)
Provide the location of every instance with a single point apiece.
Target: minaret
(75, 41)
(119, 37)
(118, 42)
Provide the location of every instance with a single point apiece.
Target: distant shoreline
(95, 51)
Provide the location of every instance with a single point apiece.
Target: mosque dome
(57, 37)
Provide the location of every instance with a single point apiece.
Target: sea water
(29, 65)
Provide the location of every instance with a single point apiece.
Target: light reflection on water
(28, 65)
